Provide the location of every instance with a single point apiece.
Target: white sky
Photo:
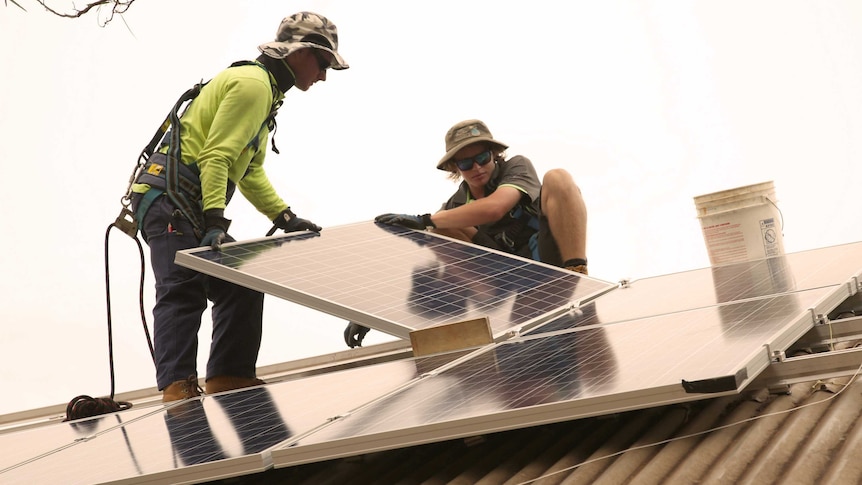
(647, 103)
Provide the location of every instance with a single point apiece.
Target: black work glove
(420, 223)
(288, 221)
(216, 229)
(354, 333)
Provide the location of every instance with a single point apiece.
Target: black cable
(84, 406)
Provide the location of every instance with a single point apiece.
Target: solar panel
(585, 371)
(202, 439)
(397, 280)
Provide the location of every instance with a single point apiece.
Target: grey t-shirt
(513, 231)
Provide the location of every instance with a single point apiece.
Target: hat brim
(280, 50)
(441, 165)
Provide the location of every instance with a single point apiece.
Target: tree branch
(115, 6)
(6, 2)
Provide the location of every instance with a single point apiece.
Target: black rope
(84, 406)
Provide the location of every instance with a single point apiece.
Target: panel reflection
(19, 446)
(510, 376)
(610, 367)
(253, 416)
(210, 430)
(720, 285)
(510, 292)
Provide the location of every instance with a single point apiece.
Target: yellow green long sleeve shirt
(216, 129)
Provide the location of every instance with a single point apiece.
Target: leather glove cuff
(426, 219)
(282, 221)
(214, 218)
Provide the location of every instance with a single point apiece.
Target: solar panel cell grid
(397, 280)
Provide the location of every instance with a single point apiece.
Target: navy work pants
(181, 298)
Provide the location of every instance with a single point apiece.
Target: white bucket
(741, 224)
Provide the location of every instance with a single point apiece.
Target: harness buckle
(126, 222)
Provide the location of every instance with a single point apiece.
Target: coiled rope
(85, 406)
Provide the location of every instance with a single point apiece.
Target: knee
(558, 180)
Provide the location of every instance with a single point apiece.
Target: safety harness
(180, 181)
(512, 236)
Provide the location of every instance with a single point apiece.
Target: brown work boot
(228, 383)
(184, 389)
(581, 268)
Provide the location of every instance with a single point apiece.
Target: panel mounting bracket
(853, 286)
(820, 366)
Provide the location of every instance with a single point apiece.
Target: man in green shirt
(223, 135)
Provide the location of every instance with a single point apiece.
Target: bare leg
(564, 207)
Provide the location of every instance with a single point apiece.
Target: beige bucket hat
(465, 133)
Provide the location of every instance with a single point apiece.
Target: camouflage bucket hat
(301, 30)
(466, 133)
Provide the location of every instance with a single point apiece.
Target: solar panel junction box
(451, 336)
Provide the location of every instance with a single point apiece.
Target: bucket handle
(780, 214)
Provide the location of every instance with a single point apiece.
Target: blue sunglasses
(481, 160)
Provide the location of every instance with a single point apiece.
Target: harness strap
(269, 122)
(513, 237)
(192, 211)
(186, 195)
(172, 185)
(154, 176)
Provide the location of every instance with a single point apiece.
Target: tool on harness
(513, 237)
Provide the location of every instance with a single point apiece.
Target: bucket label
(725, 241)
(770, 237)
(731, 240)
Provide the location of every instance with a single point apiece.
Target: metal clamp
(126, 222)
